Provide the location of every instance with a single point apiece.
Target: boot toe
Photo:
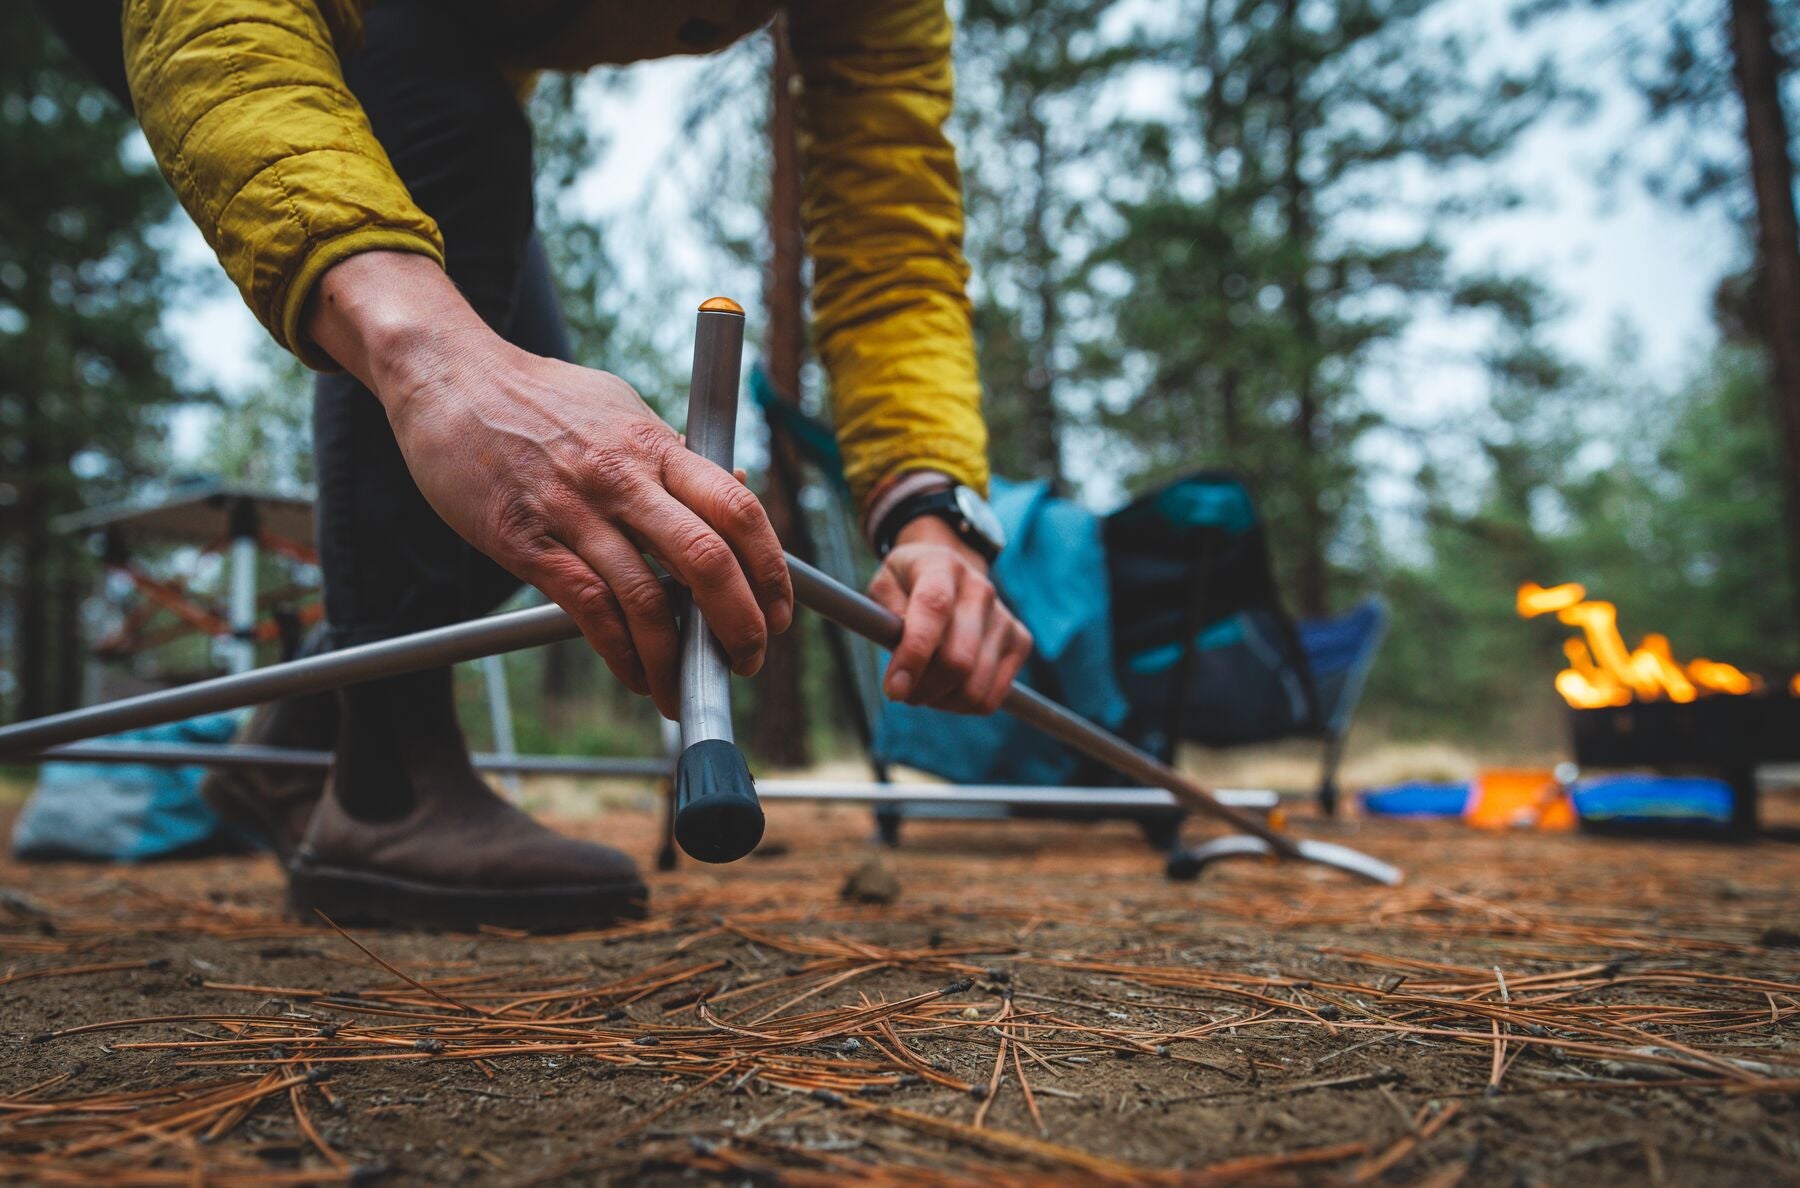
(487, 864)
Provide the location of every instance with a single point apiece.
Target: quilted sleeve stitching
(294, 213)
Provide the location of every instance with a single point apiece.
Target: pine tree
(779, 731)
(1758, 66)
(1702, 69)
(1029, 72)
(1250, 293)
(85, 376)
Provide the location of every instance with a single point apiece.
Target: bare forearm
(388, 316)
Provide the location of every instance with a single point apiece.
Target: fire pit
(1724, 736)
(1643, 708)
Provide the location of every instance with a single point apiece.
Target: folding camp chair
(1205, 650)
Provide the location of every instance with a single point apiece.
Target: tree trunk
(1230, 420)
(779, 726)
(1757, 67)
(1310, 572)
(1044, 423)
(34, 566)
(71, 649)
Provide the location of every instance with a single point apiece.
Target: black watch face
(981, 517)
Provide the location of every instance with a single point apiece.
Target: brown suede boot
(408, 834)
(276, 803)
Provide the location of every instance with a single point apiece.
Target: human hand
(561, 474)
(961, 648)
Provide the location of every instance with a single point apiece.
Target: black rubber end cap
(1181, 868)
(717, 815)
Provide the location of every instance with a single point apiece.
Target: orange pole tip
(721, 305)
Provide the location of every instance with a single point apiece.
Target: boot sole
(363, 897)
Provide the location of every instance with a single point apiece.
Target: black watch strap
(941, 503)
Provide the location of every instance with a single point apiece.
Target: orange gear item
(1521, 798)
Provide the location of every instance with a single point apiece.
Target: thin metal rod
(548, 624)
(499, 702)
(1187, 863)
(1122, 799)
(509, 632)
(844, 606)
(242, 647)
(711, 433)
(600, 766)
(253, 755)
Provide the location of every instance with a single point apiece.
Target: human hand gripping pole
(717, 815)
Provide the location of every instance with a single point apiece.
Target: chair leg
(1162, 831)
(1744, 822)
(887, 825)
(1329, 797)
(668, 856)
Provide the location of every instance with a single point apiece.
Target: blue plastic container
(1419, 799)
(1653, 800)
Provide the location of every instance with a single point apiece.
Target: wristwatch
(956, 505)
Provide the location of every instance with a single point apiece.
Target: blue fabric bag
(126, 812)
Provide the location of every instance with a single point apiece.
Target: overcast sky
(1617, 256)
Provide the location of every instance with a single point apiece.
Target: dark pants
(426, 76)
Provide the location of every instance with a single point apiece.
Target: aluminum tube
(499, 701)
(243, 603)
(252, 755)
(711, 433)
(540, 625)
(1188, 863)
(717, 817)
(548, 624)
(440, 646)
(840, 604)
(856, 792)
(106, 751)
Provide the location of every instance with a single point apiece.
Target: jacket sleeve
(247, 112)
(882, 205)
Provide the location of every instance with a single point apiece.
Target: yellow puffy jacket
(247, 112)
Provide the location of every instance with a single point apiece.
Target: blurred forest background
(1205, 233)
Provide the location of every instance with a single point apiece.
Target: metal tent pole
(549, 624)
(717, 817)
(440, 646)
(245, 528)
(499, 701)
(254, 755)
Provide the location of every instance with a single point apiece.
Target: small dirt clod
(872, 882)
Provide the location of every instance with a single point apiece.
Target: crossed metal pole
(718, 816)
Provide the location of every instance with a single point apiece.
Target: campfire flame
(1603, 672)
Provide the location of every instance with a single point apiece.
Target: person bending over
(364, 174)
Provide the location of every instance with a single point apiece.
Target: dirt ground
(1037, 1003)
